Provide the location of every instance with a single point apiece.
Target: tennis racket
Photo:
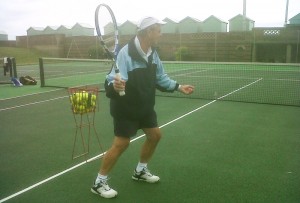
(107, 31)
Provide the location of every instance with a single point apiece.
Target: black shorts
(127, 128)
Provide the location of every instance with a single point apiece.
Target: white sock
(141, 166)
(100, 178)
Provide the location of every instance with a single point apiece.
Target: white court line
(242, 78)
(184, 74)
(290, 80)
(19, 106)
(100, 155)
(64, 75)
(30, 94)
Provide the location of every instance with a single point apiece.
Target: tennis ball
(89, 109)
(77, 98)
(75, 108)
(84, 96)
(77, 94)
(71, 99)
(82, 108)
(94, 97)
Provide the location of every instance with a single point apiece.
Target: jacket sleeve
(163, 82)
(121, 61)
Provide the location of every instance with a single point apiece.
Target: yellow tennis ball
(82, 108)
(76, 98)
(89, 109)
(84, 96)
(77, 94)
(71, 99)
(75, 108)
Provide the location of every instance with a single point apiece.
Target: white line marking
(30, 94)
(200, 71)
(220, 77)
(45, 180)
(240, 88)
(289, 80)
(132, 140)
(19, 106)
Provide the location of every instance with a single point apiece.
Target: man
(142, 73)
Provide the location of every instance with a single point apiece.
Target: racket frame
(112, 55)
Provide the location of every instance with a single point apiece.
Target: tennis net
(66, 72)
(244, 82)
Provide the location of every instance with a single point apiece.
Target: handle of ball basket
(118, 76)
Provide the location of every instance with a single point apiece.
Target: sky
(16, 16)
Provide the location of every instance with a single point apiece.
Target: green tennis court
(237, 139)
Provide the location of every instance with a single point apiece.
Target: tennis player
(142, 73)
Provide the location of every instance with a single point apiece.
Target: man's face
(154, 34)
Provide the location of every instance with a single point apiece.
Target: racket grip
(118, 76)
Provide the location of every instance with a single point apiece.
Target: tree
(96, 52)
(183, 54)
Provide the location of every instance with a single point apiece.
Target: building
(240, 23)
(50, 30)
(295, 20)
(34, 31)
(171, 26)
(63, 29)
(190, 25)
(82, 29)
(3, 36)
(79, 29)
(214, 24)
(128, 28)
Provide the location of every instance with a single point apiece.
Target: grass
(23, 56)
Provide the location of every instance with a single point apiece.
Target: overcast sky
(16, 16)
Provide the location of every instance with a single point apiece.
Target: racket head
(107, 30)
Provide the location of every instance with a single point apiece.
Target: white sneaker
(103, 190)
(145, 175)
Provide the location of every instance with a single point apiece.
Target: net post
(9, 59)
(14, 67)
(42, 76)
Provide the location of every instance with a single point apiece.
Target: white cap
(148, 21)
